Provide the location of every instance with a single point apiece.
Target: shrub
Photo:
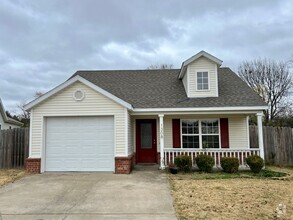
(183, 163)
(204, 162)
(255, 163)
(230, 164)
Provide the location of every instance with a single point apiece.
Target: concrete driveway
(144, 194)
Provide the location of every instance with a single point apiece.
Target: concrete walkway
(144, 194)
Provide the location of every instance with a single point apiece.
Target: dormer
(199, 75)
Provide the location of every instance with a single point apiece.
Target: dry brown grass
(238, 198)
(10, 175)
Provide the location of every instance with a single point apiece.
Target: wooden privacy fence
(278, 144)
(14, 147)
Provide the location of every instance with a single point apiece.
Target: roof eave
(7, 119)
(12, 121)
(195, 57)
(2, 111)
(206, 109)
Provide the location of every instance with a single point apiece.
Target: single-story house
(110, 120)
(7, 122)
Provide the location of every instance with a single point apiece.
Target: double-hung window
(190, 134)
(200, 133)
(210, 133)
(202, 81)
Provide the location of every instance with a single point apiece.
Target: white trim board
(70, 82)
(206, 109)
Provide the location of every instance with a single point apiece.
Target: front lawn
(233, 196)
(10, 175)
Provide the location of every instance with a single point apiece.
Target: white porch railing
(217, 154)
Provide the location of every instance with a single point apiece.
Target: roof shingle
(162, 89)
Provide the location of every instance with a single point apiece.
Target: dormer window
(199, 75)
(202, 81)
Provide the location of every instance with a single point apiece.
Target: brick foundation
(124, 165)
(33, 165)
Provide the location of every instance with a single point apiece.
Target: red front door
(146, 141)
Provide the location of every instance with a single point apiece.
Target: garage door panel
(80, 144)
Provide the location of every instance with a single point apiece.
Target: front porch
(218, 134)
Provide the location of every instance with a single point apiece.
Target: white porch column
(260, 135)
(162, 165)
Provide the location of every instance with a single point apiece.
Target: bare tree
(272, 80)
(160, 66)
(23, 113)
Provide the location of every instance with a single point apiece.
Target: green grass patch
(221, 175)
(290, 167)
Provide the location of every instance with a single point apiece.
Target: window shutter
(224, 132)
(176, 133)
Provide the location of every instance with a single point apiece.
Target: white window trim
(209, 83)
(200, 132)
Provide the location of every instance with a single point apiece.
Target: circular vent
(78, 95)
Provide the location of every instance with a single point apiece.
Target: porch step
(148, 166)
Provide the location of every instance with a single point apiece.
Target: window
(210, 133)
(200, 133)
(202, 81)
(190, 134)
(146, 135)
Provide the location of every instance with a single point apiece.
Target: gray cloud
(43, 42)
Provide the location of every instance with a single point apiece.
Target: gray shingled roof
(162, 89)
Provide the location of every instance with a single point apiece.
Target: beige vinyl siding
(238, 137)
(238, 132)
(168, 132)
(202, 64)
(63, 104)
(185, 84)
(130, 136)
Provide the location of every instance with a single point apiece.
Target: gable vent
(78, 95)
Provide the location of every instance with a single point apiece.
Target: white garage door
(80, 144)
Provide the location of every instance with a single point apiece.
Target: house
(111, 120)
(7, 122)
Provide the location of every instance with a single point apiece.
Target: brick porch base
(124, 165)
(33, 165)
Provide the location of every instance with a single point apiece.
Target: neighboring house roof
(6, 118)
(162, 89)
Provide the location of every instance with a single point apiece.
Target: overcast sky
(42, 43)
